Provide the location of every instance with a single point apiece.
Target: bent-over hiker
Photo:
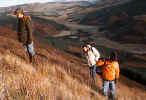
(92, 55)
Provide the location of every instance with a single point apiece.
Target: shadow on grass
(96, 88)
(137, 74)
(41, 55)
(74, 53)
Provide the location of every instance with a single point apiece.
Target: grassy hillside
(45, 28)
(57, 75)
(54, 75)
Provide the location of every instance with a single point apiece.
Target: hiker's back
(110, 70)
(110, 75)
(92, 56)
(25, 30)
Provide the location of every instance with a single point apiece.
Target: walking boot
(31, 58)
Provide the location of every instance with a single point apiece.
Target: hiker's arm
(96, 53)
(117, 70)
(29, 30)
(18, 33)
(82, 54)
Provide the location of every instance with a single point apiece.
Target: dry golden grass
(48, 82)
(74, 49)
(53, 78)
(54, 75)
(44, 29)
(49, 78)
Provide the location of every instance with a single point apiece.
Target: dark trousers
(93, 71)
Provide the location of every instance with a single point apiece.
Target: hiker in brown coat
(25, 32)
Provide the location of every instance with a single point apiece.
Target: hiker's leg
(105, 88)
(94, 71)
(31, 51)
(91, 72)
(26, 48)
(112, 90)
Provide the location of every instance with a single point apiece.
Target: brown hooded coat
(25, 30)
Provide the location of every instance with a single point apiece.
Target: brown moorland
(54, 75)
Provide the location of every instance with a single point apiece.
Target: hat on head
(114, 56)
(86, 45)
(18, 10)
(89, 46)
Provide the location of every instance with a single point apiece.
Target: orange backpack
(110, 71)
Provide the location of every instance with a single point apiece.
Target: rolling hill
(59, 71)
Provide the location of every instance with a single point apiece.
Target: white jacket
(92, 56)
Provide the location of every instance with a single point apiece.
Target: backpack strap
(92, 49)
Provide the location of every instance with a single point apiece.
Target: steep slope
(66, 34)
(54, 75)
